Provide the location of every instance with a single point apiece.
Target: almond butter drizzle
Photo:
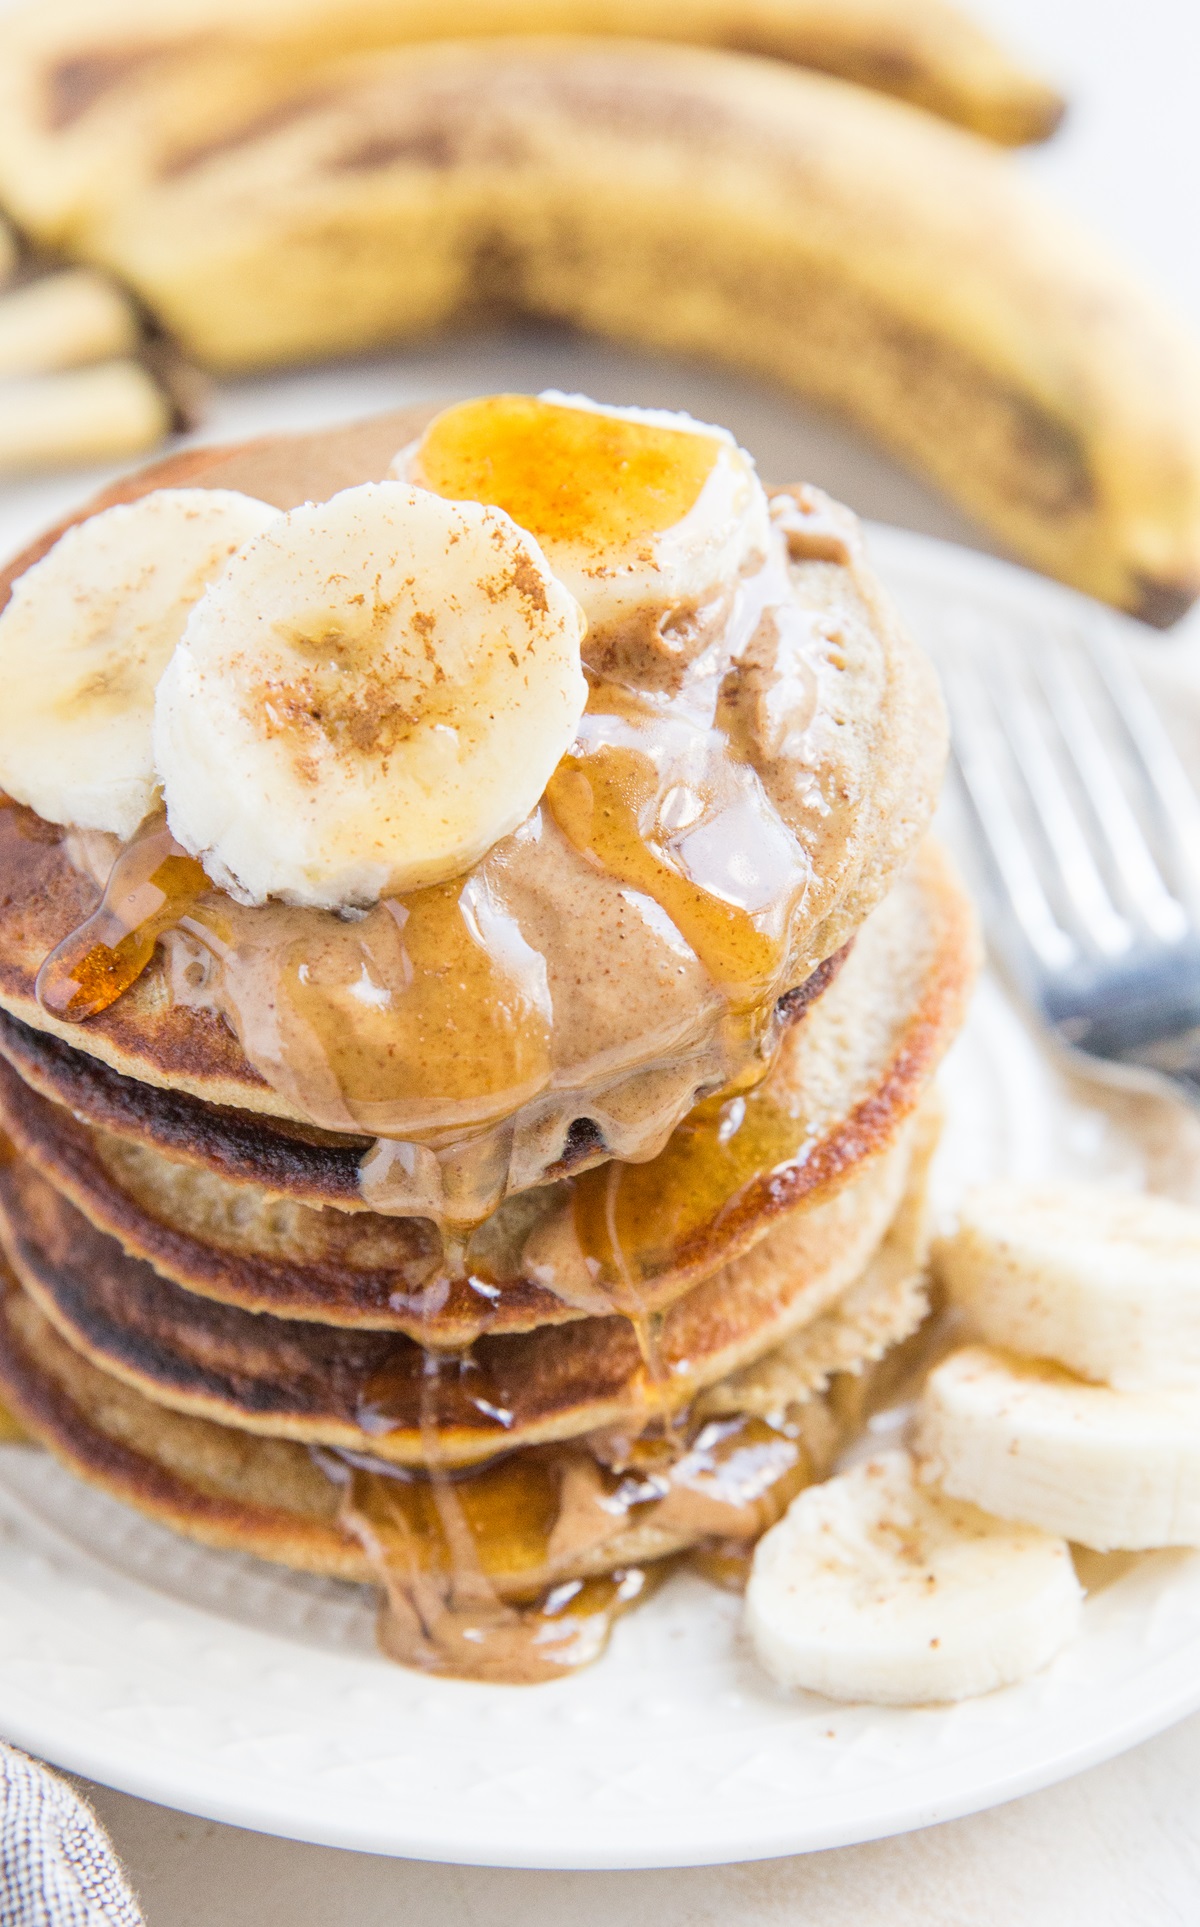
(480, 1029)
(432, 1020)
(472, 1565)
(428, 1012)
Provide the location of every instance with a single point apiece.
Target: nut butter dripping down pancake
(614, 1019)
(558, 1540)
(437, 1015)
(229, 1213)
(514, 1571)
(239, 1241)
(689, 802)
(474, 1565)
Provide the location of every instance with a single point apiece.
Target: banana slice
(1117, 1471)
(376, 691)
(1105, 1283)
(84, 639)
(876, 1587)
(637, 509)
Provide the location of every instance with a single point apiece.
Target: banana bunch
(271, 202)
(870, 257)
(94, 93)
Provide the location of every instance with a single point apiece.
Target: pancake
(641, 1058)
(878, 1312)
(272, 1498)
(219, 1486)
(314, 1167)
(384, 1394)
(846, 1078)
(237, 1491)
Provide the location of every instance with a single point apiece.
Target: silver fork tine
(977, 766)
(1159, 766)
(1081, 880)
(1131, 856)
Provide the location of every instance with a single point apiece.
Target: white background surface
(1121, 1844)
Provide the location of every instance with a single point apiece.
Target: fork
(1086, 827)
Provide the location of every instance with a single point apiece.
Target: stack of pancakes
(508, 1431)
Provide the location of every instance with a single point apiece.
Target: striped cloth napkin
(57, 1867)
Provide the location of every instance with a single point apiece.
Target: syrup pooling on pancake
(650, 519)
(627, 1217)
(653, 520)
(647, 517)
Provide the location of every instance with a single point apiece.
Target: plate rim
(1175, 1677)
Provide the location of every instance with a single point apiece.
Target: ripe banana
(375, 691)
(1105, 1283)
(875, 1586)
(92, 94)
(1116, 1471)
(875, 260)
(84, 639)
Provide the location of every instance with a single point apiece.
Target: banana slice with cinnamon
(84, 639)
(875, 1586)
(375, 692)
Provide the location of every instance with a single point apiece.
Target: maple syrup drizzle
(626, 1295)
(631, 1219)
(598, 801)
(567, 474)
(429, 1013)
(440, 1545)
(152, 884)
(467, 1562)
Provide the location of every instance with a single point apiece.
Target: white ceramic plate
(234, 1690)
